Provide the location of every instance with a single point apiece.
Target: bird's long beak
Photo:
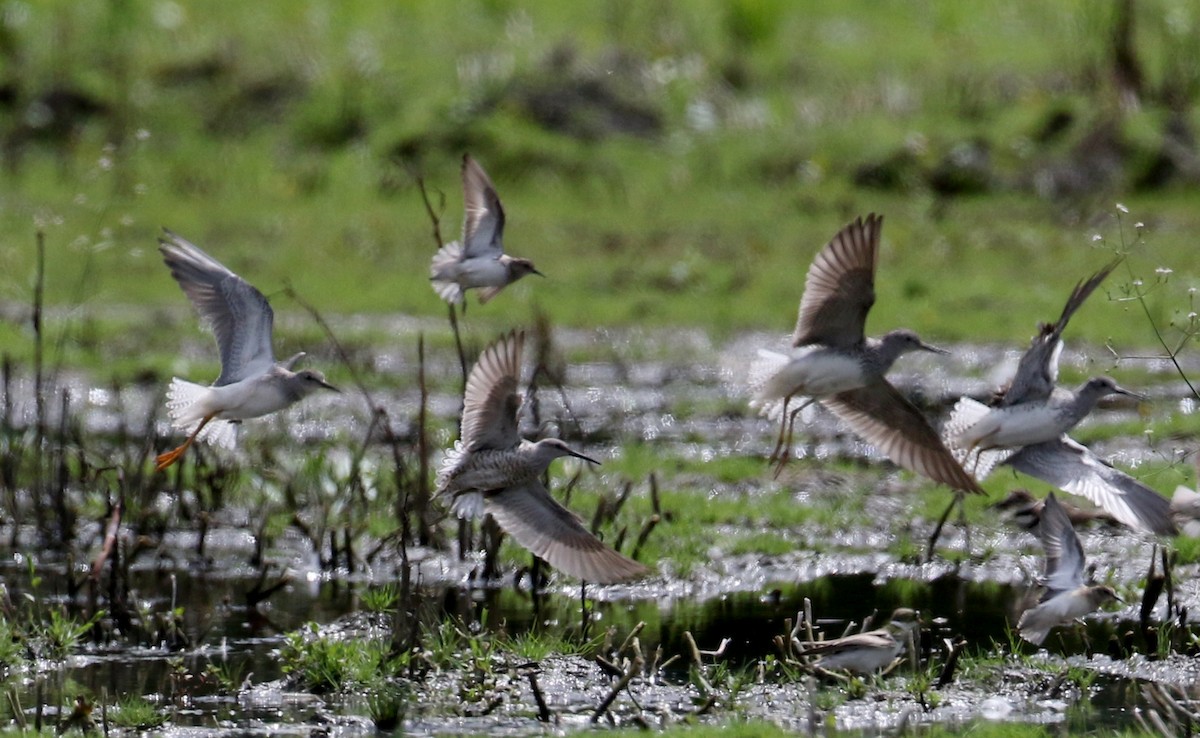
(1129, 393)
(933, 349)
(534, 271)
(578, 455)
(329, 386)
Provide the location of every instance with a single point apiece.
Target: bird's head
(1103, 386)
(553, 448)
(310, 381)
(1103, 594)
(902, 340)
(520, 267)
(904, 620)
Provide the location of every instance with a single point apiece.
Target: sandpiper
(976, 427)
(1026, 429)
(832, 362)
(1026, 511)
(492, 470)
(1067, 596)
(251, 383)
(863, 653)
(479, 259)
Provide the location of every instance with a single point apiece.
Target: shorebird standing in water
(1027, 426)
(492, 470)
(864, 653)
(251, 384)
(833, 363)
(478, 261)
(1067, 596)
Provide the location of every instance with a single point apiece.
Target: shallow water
(685, 397)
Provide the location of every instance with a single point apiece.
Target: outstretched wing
(237, 313)
(1073, 468)
(483, 220)
(885, 418)
(491, 401)
(539, 523)
(840, 287)
(1065, 561)
(1037, 372)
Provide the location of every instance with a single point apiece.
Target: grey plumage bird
(863, 653)
(1026, 428)
(834, 363)
(478, 261)
(1067, 595)
(492, 470)
(1026, 511)
(252, 383)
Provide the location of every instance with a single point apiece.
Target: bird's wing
(886, 419)
(871, 639)
(1072, 468)
(483, 219)
(840, 287)
(491, 401)
(1037, 371)
(539, 523)
(1064, 553)
(237, 313)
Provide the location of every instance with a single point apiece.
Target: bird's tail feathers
(450, 462)
(441, 268)
(766, 398)
(978, 462)
(185, 407)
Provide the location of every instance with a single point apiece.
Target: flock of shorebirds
(492, 470)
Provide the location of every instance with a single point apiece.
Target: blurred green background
(664, 163)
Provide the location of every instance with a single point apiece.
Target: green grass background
(285, 139)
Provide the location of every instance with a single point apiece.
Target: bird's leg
(787, 431)
(162, 461)
(937, 531)
(462, 356)
(962, 521)
(782, 431)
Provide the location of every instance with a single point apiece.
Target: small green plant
(381, 599)
(10, 645)
(60, 634)
(387, 702)
(1082, 677)
(137, 713)
(227, 676)
(920, 686)
(329, 664)
(828, 699)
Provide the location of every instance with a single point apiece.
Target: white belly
(238, 402)
(1012, 427)
(482, 272)
(816, 372)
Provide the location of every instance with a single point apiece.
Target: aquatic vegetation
(137, 713)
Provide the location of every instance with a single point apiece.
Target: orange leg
(787, 428)
(162, 461)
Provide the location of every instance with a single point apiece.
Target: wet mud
(683, 396)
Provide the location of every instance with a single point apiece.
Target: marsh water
(683, 396)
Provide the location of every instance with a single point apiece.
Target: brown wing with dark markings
(840, 287)
(886, 419)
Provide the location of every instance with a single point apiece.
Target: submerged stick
(543, 709)
(635, 667)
